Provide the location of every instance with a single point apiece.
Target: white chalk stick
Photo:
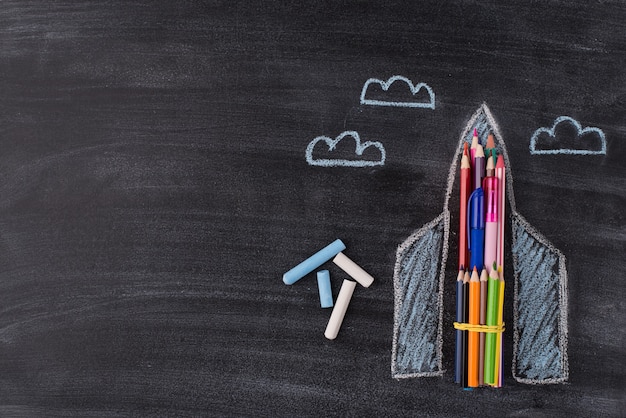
(339, 311)
(353, 269)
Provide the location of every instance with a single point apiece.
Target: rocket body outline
(539, 270)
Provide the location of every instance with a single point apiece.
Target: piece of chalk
(339, 311)
(323, 285)
(313, 262)
(353, 269)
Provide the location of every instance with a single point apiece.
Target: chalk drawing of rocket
(539, 292)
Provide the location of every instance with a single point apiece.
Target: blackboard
(155, 187)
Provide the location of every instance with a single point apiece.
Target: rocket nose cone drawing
(539, 297)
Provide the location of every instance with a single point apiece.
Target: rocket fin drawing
(418, 296)
(539, 307)
(539, 294)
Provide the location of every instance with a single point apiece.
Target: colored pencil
(499, 354)
(473, 147)
(478, 168)
(490, 147)
(473, 338)
(466, 280)
(491, 319)
(482, 318)
(458, 359)
(465, 188)
(490, 167)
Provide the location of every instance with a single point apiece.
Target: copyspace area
(155, 185)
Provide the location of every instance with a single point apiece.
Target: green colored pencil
(492, 319)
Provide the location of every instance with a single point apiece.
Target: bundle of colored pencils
(480, 281)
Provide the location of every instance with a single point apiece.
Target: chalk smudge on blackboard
(416, 98)
(567, 136)
(540, 307)
(349, 157)
(418, 296)
(539, 299)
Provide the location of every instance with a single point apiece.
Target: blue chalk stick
(313, 262)
(323, 285)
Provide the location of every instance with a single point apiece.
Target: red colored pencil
(465, 186)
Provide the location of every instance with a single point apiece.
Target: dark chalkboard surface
(155, 187)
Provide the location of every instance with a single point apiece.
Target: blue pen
(476, 228)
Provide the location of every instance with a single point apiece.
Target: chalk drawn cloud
(330, 156)
(567, 136)
(412, 100)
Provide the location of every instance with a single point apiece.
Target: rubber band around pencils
(479, 328)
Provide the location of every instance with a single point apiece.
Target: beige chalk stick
(339, 311)
(353, 269)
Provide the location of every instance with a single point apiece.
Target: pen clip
(476, 194)
(468, 215)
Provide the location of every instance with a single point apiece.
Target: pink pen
(501, 176)
(490, 186)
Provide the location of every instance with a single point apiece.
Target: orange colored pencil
(473, 337)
